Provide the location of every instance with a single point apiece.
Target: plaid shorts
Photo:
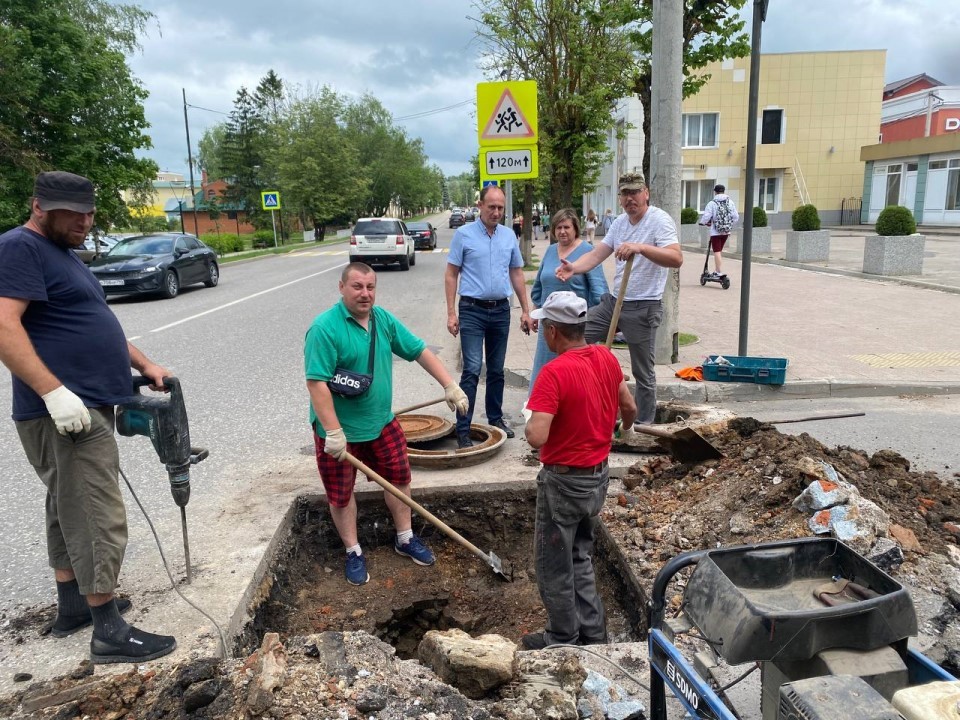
(387, 455)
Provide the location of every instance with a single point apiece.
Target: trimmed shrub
(804, 218)
(263, 236)
(896, 220)
(689, 216)
(759, 217)
(224, 243)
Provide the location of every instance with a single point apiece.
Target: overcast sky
(420, 55)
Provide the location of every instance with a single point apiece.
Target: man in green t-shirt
(364, 425)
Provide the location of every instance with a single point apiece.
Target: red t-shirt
(580, 389)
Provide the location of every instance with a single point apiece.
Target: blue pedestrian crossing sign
(494, 183)
(270, 200)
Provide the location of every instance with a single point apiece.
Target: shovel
(428, 403)
(489, 558)
(686, 444)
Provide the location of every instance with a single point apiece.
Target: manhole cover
(444, 453)
(422, 428)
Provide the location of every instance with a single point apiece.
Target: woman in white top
(591, 225)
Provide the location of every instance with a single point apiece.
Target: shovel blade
(497, 566)
(687, 445)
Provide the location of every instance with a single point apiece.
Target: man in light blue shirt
(485, 259)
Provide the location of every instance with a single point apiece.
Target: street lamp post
(179, 198)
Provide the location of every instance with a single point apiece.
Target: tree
(241, 157)
(580, 54)
(68, 101)
(712, 30)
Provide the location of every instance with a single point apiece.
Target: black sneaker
(592, 641)
(136, 646)
(534, 641)
(464, 441)
(66, 625)
(503, 426)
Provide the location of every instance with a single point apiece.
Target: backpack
(723, 216)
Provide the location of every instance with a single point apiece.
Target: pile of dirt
(669, 507)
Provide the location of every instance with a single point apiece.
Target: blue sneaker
(416, 551)
(357, 569)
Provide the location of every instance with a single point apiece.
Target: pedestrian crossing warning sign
(507, 112)
(270, 200)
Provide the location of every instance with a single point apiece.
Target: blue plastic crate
(761, 370)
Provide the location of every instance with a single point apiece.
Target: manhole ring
(423, 428)
(487, 442)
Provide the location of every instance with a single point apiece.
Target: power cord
(173, 583)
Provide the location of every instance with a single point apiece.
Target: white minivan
(382, 240)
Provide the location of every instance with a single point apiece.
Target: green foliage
(689, 216)
(263, 236)
(759, 216)
(582, 58)
(69, 102)
(896, 220)
(805, 217)
(223, 243)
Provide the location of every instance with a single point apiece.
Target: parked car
(160, 263)
(424, 235)
(88, 252)
(382, 240)
(456, 219)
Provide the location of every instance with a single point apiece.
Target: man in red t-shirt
(574, 405)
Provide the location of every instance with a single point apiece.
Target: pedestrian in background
(517, 224)
(607, 221)
(566, 244)
(70, 363)
(591, 225)
(484, 263)
(648, 235)
(574, 406)
(721, 215)
(535, 222)
(338, 348)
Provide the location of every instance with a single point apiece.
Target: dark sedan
(456, 219)
(160, 263)
(424, 235)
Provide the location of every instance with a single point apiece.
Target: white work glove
(627, 433)
(335, 444)
(456, 399)
(67, 410)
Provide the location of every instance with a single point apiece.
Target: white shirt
(710, 212)
(647, 279)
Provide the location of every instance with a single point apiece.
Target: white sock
(355, 549)
(404, 537)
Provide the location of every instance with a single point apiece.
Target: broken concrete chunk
(740, 523)
(270, 672)
(905, 537)
(200, 694)
(614, 702)
(886, 555)
(472, 665)
(825, 492)
(373, 699)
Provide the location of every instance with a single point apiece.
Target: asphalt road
(237, 350)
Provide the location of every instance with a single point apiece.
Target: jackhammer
(163, 419)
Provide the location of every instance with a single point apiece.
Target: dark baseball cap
(58, 190)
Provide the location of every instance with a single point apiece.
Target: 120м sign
(508, 163)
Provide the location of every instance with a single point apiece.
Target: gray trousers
(85, 516)
(566, 516)
(639, 320)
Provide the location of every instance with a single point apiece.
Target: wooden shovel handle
(414, 505)
(611, 333)
(811, 418)
(401, 411)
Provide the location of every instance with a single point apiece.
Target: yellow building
(816, 110)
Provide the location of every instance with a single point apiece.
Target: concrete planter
(893, 254)
(808, 246)
(704, 236)
(762, 240)
(689, 234)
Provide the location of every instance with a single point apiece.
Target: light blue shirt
(485, 260)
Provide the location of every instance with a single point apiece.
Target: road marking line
(244, 299)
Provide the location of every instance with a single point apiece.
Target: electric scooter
(706, 277)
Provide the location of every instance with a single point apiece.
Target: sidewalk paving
(844, 333)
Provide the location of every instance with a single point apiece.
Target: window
(893, 184)
(772, 127)
(700, 130)
(192, 243)
(767, 195)
(182, 245)
(697, 193)
(912, 167)
(937, 165)
(953, 186)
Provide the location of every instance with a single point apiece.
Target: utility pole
(193, 192)
(759, 15)
(665, 163)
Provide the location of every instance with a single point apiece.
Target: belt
(572, 470)
(484, 303)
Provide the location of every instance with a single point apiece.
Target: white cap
(564, 307)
